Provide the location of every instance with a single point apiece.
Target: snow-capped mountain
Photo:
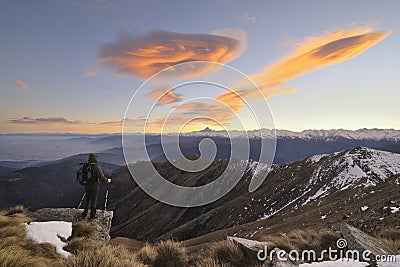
(361, 134)
(331, 186)
(356, 167)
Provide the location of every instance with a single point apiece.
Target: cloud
(247, 18)
(145, 55)
(61, 124)
(53, 120)
(104, 5)
(217, 111)
(89, 73)
(164, 97)
(195, 114)
(21, 84)
(315, 53)
(309, 55)
(235, 33)
(140, 121)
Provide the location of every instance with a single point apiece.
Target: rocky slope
(359, 186)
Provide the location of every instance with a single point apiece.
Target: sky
(75, 66)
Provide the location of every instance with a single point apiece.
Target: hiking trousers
(91, 201)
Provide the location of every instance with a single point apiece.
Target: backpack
(84, 175)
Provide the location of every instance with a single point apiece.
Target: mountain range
(320, 179)
(320, 191)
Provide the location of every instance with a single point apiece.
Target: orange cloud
(316, 53)
(145, 55)
(89, 73)
(165, 97)
(235, 33)
(60, 124)
(21, 84)
(195, 115)
(310, 55)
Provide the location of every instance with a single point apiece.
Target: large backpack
(84, 175)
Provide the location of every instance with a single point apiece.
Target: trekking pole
(105, 204)
(84, 194)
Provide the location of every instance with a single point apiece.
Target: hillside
(51, 185)
(321, 191)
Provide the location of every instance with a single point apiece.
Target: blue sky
(52, 78)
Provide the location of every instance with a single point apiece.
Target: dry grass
(82, 229)
(208, 262)
(227, 253)
(10, 241)
(391, 237)
(15, 210)
(304, 240)
(147, 254)
(83, 237)
(170, 254)
(390, 233)
(90, 252)
(15, 256)
(9, 231)
(45, 250)
(81, 243)
(393, 245)
(104, 256)
(15, 250)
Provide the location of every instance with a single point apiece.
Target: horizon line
(207, 129)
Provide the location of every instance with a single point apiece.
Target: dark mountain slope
(289, 187)
(51, 185)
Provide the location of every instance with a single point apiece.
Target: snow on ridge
(363, 162)
(257, 167)
(41, 232)
(273, 212)
(317, 158)
(355, 164)
(377, 163)
(361, 134)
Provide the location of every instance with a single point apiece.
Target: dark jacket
(97, 174)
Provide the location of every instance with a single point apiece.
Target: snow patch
(396, 263)
(394, 209)
(350, 168)
(272, 212)
(364, 208)
(41, 232)
(361, 134)
(317, 158)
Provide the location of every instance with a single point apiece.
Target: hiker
(92, 187)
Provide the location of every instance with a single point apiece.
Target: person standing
(92, 188)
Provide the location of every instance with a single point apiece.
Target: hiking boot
(93, 216)
(84, 214)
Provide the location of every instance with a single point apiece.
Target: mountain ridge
(282, 194)
(359, 134)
